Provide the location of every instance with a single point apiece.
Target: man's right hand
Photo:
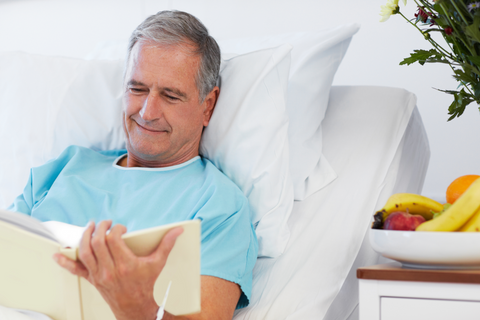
(124, 280)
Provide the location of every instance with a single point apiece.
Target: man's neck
(131, 161)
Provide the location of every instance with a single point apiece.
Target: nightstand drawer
(422, 309)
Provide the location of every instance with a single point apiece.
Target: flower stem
(457, 32)
(424, 4)
(444, 52)
(459, 12)
(466, 8)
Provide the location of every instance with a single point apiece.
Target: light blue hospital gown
(83, 185)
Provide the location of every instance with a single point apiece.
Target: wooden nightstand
(390, 292)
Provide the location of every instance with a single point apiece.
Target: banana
(472, 225)
(413, 203)
(458, 214)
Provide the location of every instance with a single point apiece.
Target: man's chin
(146, 153)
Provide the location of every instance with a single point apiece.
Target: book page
(29, 277)
(26, 223)
(16, 314)
(68, 235)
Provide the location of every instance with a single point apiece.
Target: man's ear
(209, 103)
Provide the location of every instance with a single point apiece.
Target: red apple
(400, 220)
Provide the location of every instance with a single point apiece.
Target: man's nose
(152, 108)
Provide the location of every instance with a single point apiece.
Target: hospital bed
(372, 144)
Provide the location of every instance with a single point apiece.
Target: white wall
(74, 27)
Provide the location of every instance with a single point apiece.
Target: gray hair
(177, 28)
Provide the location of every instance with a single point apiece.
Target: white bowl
(430, 250)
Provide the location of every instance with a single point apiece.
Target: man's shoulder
(218, 177)
(222, 189)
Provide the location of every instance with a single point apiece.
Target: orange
(458, 187)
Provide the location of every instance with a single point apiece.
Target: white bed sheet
(407, 173)
(375, 141)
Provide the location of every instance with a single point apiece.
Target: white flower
(473, 6)
(390, 8)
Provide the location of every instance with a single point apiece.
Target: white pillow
(315, 59)
(47, 103)
(74, 101)
(247, 139)
(90, 114)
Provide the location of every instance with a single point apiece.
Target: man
(169, 97)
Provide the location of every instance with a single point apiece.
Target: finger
(160, 255)
(99, 246)
(75, 267)
(85, 253)
(118, 249)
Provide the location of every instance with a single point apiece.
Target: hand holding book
(32, 280)
(124, 280)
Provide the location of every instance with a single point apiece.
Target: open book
(30, 278)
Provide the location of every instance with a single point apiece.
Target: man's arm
(219, 299)
(126, 281)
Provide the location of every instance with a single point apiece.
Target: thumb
(166, 245)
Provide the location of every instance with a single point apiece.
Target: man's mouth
(151, 129)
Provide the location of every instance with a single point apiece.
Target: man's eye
(135, 90)
(172, 98)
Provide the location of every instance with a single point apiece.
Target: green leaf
(438, 6)
(437, 60)
(442, 22)
(472, 30)
(460, 102)
(448, 91)
(464, 77)
(476, 91)
(474, 59)
(472, 69)
(421, 56)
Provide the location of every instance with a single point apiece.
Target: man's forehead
(182, 50)
(165, 56)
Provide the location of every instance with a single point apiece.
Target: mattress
(375, 141)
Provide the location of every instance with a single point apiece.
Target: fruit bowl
(429, 250)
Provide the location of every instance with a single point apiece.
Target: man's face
(163, 118)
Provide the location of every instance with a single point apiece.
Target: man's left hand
(124, 280)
